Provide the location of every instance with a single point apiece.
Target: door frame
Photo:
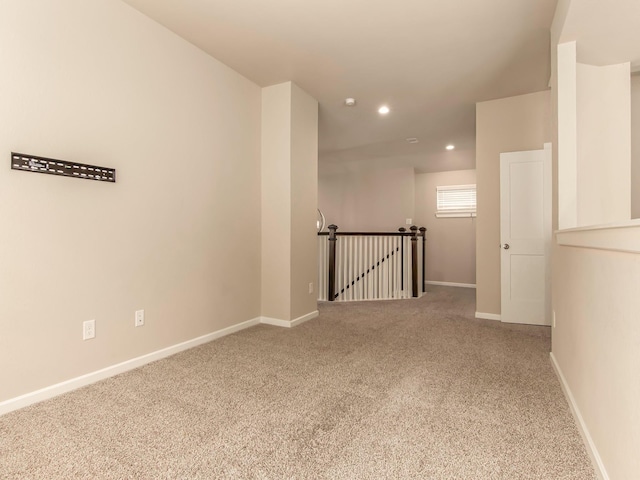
(547, 196)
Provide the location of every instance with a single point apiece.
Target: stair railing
(371, 265)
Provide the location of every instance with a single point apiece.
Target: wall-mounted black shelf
(33, 163)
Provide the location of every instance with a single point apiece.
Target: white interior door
(525, 235)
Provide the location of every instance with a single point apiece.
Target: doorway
(525, 236)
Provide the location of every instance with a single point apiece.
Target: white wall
(565, 136)
(596, 270)
(289, 201)
(451, 242)
(635, 146)
(374, 200)
(596, 345)
(276, 201)
(504, 125)
(304, 202)
(593, 108)
(603, 144)
(97, 82)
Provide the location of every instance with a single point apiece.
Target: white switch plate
(311, 287)
(553, 320)
(408, 221)
(139, 320)
(88, 329)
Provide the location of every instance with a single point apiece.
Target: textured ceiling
(429, 60)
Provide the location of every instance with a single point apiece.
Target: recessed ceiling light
(450, 147)
(412, 140)
(350, 102)
(383, 110)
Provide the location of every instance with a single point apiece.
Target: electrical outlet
(407, 221)
(88, 329)
(139, 320)
(311, 287)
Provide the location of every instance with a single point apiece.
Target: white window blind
(456, 201)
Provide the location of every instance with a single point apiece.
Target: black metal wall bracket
(33, 163)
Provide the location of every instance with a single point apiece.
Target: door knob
(506, 246)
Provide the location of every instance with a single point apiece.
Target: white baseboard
(596, 460)
(450, 284)
(289, 323)
(489, 316)
(89, 378)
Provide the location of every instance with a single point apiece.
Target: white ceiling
(429, 60)
(606, 32)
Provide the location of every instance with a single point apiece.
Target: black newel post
(331, 290)
(423, 234)
(402, 230)
(414, 261)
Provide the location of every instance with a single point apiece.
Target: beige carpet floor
(414, 389)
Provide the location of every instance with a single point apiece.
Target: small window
(456, 201)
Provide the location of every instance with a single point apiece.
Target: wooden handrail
(370, 234)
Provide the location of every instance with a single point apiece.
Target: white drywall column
(635, 146)
(289, 201)
(567, 137)
(594, 141)
(276, 200)
(604, 144)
